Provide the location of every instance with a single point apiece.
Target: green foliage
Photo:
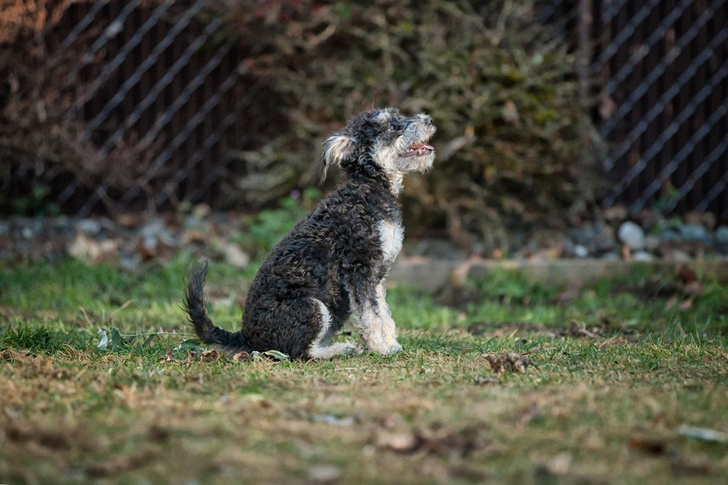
(500, 88)
(34, 203)
(270, 225)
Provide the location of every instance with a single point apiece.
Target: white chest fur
(390, 236)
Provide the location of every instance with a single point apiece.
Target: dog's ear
(337, 148)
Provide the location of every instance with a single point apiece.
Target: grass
(620, 367)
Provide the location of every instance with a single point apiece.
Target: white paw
(388, 349)
(393, 349)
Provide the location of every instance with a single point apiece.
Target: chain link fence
(159, 90)
(663, 99)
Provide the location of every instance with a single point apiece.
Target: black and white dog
(332, 265)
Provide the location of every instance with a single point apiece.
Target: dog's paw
(393, 349)
(389, 349)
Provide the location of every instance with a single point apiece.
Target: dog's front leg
(389, 330)
(371, 320)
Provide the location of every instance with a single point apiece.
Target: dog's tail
(194, 304)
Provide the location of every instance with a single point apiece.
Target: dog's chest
(390, 239)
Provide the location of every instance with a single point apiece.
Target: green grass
(620, 366)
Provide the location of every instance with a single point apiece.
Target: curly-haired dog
(332, 264)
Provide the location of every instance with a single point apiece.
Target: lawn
(101, 379)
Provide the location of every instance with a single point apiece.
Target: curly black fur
(194, 303)
(334, 257)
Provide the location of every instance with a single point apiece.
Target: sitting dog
(332, 265)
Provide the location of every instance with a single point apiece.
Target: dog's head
(393, 142)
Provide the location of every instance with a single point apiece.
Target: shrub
(500, 87)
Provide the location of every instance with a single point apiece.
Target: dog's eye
(392, 127)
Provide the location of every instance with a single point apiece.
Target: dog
(333, 264)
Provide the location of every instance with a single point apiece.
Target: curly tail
(194, 304)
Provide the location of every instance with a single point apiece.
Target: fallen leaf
(687, 304)
(690, 465)
(484, 381)
(211, 355)
(560, 464)
(323, 475)
(103, 339)
(511, 362)
(612, 342)
(694, 288)
(702, 434)
(241, 356)
(398, 442)
(686, 274)
(647, 444)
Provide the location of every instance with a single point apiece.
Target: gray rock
(676, 256)
(721, 235)
(642, 256)
(151, 229)
(583, 235)
(652, 243)
(616, 213)
(194, 223)
(720, 239)
(611, 256)
(669, 235)
(157, 230)
(236, 256)
(632, 235)
(603, 241)
(581, 251)
(693, 232)
(88, 226)
(4, 228)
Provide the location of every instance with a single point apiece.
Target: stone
(88, 226)
(4, 228)
(642, 256)
(720, 238)
(324, 475)
(156, 230)
(652, 243)
(632, 235)
(676, 256)
(236, 256)
(694, 232)
(648, 218)
(611, 256)
(669, 235)
(581, 251)
(584, 234)
(616, 213)
(704, 219)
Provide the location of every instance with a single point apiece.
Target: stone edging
(431, 275)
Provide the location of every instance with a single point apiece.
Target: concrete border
(431, 275)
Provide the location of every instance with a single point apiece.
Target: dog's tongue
(422, 147)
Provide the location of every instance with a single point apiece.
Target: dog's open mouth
(418, 150)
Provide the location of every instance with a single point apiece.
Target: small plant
(271, 225)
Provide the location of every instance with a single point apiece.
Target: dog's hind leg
(319, 348)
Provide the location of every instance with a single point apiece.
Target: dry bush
(502, 90)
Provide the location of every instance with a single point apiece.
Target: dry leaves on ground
(511, 362)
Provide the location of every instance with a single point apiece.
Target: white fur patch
(390, 237)
(337, 148)
(318, 349)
